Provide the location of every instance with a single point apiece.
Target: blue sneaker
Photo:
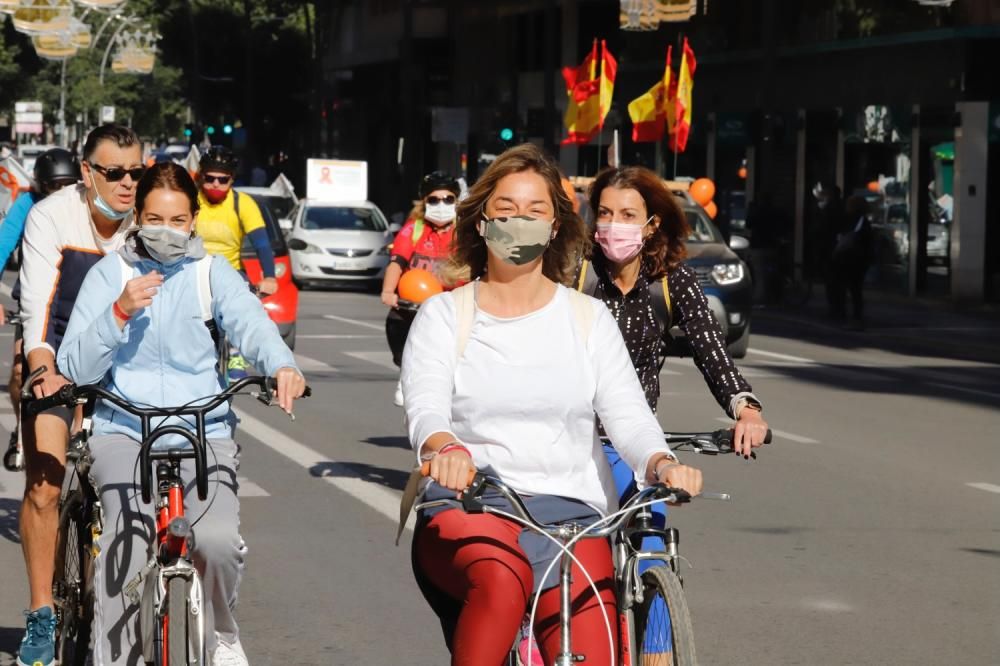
(238, 368)
(38, 646)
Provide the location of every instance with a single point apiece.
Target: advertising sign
(336, 180)
(28, 117)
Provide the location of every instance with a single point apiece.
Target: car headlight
(727, 274)
(279, 270)
(312, 249)
(386, 249)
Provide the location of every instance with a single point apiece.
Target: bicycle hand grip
(63, 397)
(425, 470)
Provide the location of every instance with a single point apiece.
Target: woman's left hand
(291, 385)
(750, 431)
(676, 475)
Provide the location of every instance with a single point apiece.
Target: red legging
(476, 559)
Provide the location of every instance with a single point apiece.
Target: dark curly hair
(666, 248)
(468, 256)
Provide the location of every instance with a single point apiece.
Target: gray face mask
(165, 245)
(517, 240)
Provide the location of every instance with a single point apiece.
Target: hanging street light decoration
(35, 17)
(9, 6)
(58, 46)
(646, 15)
(136, 51)
(101, 5)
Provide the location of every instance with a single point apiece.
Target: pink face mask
(619, 240)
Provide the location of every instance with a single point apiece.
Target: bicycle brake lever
(725, 497)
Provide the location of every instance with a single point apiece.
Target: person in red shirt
(423, 242)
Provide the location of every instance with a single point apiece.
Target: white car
(339, 243)
(28, 153)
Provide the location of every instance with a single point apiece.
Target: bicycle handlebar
(707, 443)
(71, 395)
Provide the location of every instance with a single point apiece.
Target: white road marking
(952, 387)
(988, 487)
(381, 358)
(11, 484)
(381, 499)
(334, 336)
(307, 364)
(365, 324)
(778, 433)
(783, 357)
(250, 489)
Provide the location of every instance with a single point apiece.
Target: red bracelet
(117, 310)
(454, 446)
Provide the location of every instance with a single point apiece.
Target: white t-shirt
(61, 244)
(524, 394)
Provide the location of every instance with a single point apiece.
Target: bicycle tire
(660, 582)
(73, 616)
(177, 622)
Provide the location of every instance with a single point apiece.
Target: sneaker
(534, 658)
(229, 654)
(237, 368)
(38, 646)
(397, 399)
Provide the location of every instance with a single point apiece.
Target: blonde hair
(468, 248)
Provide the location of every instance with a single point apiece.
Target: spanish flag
(589, 89)
(649, 111)
(682, 100)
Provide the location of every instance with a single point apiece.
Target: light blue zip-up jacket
(164, 356)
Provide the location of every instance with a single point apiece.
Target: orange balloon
(417, 285)
(742, 172)
(712, 209)
(702, 191)
(874, 186)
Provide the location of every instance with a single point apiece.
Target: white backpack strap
(583, 313)
(204, 272)
(127, 270)
(465, 311)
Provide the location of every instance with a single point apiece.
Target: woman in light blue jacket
(138, 329)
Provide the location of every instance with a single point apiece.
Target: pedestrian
(831, 219)
(849, 262)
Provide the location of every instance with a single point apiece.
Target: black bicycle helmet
(439, 180)
(218, 158)
(56, 167)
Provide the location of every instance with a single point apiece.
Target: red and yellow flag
(649, 111)
(589, 89)
(682, 101)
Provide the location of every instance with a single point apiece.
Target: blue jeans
(626, 487)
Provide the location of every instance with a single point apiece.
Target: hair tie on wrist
(118, 312)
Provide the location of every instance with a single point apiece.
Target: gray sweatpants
(129, 531)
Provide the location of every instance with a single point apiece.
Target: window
(343, 218)
(702, 228)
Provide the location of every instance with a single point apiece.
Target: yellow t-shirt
(222, 230)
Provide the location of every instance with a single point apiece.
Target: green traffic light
(506, 134)
(187, 131)
(227, 129)
(210, 130)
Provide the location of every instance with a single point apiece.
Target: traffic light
(506, 134)
(188, 131)
(227, 129)
(210, 130)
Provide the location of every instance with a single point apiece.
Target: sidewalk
(920, 326)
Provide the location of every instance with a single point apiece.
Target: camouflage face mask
(517, 240)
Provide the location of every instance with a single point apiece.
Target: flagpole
(680, 48)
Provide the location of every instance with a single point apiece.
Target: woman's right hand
(139, 292)
(390, 298)
(452, 469)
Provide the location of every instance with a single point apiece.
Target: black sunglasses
(221, 180)
(433, 200)
(114, 174)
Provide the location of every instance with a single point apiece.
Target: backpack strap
(465, 311)
(127, 270)
(418, 230)
(236, 207)
(583, 314)
(659, 292)
(587, 281)
(204, 277)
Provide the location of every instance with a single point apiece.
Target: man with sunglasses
(423, 242)
(65, 235)
(225, 217)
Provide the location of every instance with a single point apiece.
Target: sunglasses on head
(434, 200)
(114, 174)
(221, 180)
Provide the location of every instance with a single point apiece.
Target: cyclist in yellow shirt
(225, 217)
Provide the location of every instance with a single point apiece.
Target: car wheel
(289, 337)
(738, 347)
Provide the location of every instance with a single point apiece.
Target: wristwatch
(746, 401)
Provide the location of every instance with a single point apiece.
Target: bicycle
(168, 588)
(639, 616)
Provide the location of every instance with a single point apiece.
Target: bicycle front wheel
(70, 585)
(175, 624)
(664, 636)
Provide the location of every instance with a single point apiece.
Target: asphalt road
(868, 533)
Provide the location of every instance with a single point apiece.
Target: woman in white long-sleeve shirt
(519, 394)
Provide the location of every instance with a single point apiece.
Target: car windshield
(345, 218)
(703, 230)
(280, 206)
